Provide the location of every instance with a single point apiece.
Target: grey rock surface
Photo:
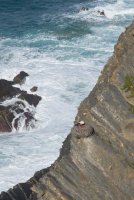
(99, 166)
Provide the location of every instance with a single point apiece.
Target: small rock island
(12, 114)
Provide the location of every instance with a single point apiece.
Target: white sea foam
(117, 9)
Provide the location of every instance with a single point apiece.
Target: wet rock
(101, 12)
(34, 89)
(30, 98)
(83, 9)
(6, 118)
(23, 114)
(7, 90)
(20, 78)
(11, 115)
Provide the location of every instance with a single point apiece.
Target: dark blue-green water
(64, 51)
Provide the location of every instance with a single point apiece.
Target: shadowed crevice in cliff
(98, 164)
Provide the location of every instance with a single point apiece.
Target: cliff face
(98, 165)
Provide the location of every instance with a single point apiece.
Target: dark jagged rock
(20, 78)
(19, 108)
(34, 89)
(8, 119)
(100, 166)
(30, 98)
(7, 90)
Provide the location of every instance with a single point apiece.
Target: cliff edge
(97, 158)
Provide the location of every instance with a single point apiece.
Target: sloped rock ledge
(99, 166)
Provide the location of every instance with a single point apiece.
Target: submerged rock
(101, 12)
(101, 166)
(34, 89)
(83, 9)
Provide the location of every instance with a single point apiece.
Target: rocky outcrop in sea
(97, 158)
(17, 109)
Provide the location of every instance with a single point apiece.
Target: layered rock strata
(99, 164)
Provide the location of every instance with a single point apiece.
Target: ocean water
(64, 51)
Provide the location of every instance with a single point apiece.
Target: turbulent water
(64, 51)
